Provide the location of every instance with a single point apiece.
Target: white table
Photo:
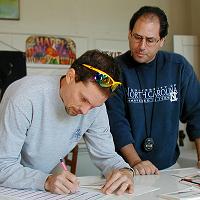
(165, 181)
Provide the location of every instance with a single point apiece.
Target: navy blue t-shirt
(152, 100)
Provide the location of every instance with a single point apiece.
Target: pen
(74, 182)
(190, 181)
(63, 164)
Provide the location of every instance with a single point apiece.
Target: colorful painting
(9, 9)
(50, 50)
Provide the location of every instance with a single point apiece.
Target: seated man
(44, 117)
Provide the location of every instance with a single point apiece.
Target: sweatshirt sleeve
(191, 102)
(119, 124)
(100, 144)
(14, 123)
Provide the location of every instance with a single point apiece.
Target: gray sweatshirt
(35, 131)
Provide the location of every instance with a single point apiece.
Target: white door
(189, 47)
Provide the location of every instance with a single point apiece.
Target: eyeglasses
(149, 41)
(103, 79)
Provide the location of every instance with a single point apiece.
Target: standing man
(44, 117)
(159, 89)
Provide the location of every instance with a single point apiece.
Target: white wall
(91, 19)
(195, 17)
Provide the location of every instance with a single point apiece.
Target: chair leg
(72, 162)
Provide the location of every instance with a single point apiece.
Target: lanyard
(148, 142)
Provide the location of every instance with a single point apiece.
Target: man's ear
(129, 35)
(162, 41)
(70, 76)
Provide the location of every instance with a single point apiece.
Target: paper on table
(192, 180)
(93, 182)
(186, 194)
(143, 189)
(138, 190)
(14, 194)
(96, 182)
(90, 183)
(182, 172)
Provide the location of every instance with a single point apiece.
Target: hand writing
(62, 183)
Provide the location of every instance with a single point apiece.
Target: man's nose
(142, 43)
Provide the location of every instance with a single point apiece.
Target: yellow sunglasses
(103, 79)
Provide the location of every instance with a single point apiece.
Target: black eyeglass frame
(149, 41)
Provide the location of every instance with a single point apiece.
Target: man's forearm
(130, 155)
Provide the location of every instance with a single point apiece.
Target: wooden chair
(71, 159)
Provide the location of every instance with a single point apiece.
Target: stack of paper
(186, 194)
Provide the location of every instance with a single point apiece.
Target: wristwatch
(130, 169)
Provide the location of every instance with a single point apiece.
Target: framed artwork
(9, 9)
(50, 50)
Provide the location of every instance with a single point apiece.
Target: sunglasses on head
(103, 79)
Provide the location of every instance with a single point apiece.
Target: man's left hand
(119, 181)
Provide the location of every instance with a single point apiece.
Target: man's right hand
(141, 167)
(145, 168)
(63, 183)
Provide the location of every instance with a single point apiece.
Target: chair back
(71, 159)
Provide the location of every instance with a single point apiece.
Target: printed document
(89, 190)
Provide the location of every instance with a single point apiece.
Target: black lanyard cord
(144, 107)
